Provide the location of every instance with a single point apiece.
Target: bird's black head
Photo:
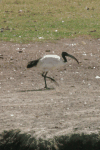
(66, 54)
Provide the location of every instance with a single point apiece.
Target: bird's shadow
(42, 89)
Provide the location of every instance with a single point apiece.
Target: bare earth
(71, 107)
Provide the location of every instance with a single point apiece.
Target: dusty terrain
(71, 107)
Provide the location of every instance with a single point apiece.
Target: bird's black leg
(52, 80)
(45, 79)
(48, 78)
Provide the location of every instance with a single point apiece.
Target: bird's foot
(47, 88)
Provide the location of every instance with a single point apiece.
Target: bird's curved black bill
(72, 57)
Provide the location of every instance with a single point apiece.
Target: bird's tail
(33, 63)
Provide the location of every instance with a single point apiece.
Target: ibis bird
(50, 62)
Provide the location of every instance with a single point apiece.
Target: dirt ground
(71, 107)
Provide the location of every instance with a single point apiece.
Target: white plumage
(50, 62)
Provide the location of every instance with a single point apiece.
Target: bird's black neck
(63, 56)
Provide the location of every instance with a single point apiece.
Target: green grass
(25, 21)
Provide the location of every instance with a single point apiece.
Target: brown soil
(71, 107)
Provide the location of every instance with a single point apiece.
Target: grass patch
(15, 140)
(25, 21)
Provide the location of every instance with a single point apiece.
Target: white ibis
(50, 62)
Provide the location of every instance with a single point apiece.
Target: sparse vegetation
(14, 140)
(24, 21)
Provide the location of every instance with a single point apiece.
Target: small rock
(97, 77)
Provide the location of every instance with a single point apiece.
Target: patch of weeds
(16, 140)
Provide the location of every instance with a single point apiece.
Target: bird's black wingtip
(33, 63)
(29, 65)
